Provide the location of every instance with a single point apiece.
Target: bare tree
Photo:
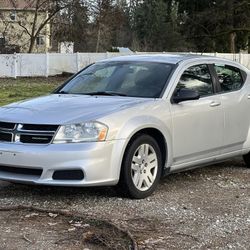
(101, 11)
(110, 24)
(43, 11)
(72, 25)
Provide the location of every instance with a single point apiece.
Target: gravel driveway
(206, 208)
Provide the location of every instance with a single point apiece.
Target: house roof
(17, 4)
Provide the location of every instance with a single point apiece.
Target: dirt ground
(31, 229)
(206, 208)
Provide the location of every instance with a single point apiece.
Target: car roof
(172, 58)
(162, 58)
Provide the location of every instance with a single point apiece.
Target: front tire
(246, 159)
(141, 167)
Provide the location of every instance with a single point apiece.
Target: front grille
(27, 133)
(23, 171)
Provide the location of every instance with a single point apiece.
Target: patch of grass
(12, 90)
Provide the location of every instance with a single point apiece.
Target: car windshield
(135, 79)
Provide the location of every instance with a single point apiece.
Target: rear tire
(141, 167)
(246, 159)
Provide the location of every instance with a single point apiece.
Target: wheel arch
(158, 136)
(143, 124)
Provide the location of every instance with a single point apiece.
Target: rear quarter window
(230, 77)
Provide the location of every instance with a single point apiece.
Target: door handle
(248, 97)
(215, 104)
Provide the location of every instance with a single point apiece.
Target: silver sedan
(129, 121)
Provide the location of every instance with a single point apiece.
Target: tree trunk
(232, 37)
(98, 39)
(32, 44)
(34, 24)
(214, 44)
(248, 44)
(245, 46)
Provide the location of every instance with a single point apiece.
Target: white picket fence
(50, 64)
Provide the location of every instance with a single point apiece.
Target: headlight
(82, 132)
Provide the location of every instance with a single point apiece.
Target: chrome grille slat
(35, 131)
(27, 133)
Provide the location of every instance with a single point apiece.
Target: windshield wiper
(62, 92)
(108, 93)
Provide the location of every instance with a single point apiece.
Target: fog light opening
(68, 175)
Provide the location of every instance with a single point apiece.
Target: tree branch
(39, 6)
(198, 24)
(20, 24)
(48, 19)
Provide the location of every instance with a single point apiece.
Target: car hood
(65, 109)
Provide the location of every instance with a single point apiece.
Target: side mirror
(185, 95)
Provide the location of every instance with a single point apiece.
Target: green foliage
(150, 23)
(158, 25)
(216, 25)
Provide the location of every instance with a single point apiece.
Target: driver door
(197, 124)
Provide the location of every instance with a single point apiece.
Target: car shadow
(177, 180)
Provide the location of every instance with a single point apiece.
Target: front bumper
(93, 158)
